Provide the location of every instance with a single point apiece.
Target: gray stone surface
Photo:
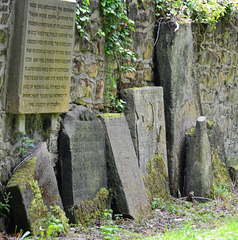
(199, 176)
(39, 69)
(20, 185)
(175, 59)
(123, 171)
(82, 157)
(145, 116)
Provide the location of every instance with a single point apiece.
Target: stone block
(87, 88)
(100, 89)
(33, 188)
(124, 175)
(199, 177)
(93, 70)
(145, 116)
(82, 157)
(41, 45)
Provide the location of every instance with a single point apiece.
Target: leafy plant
(4, 206)
(111, 102)
(83, 18)
(52, 227)
(196, 10)
(25, 143)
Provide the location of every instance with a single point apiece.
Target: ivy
(207, 11)
(117, 28)
(83, 18)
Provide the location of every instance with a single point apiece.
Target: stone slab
(21, 192)
(82, 157)
(125, 177)
(145, 116)
(199, 176)
(39, 69)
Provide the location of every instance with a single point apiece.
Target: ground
(167, 215)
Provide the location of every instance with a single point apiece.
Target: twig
(157, 37)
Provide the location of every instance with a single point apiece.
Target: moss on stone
(21, 176)
(80, 101)
(156, 180)
(111, 115)
(191, 131)
(38, 210)
(90, 210)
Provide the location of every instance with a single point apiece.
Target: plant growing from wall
(196, 10)
(117, 28)
(83, 18)
(25, 144)
(111, 102)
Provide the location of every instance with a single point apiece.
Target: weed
(25, 144)
(4, 206)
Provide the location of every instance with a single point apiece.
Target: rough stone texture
(145, 116)
(174, 57)
(199, 175)
(22, 194)
(123, 172)
(40, 53)
(82, 157)
(216, 66)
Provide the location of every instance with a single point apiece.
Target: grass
(228, 231)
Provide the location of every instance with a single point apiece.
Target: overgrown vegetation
(25, 144)
(195, 10)
(156, 180)
(111, 102)
(90, 210)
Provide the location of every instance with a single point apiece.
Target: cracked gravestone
(125, 177)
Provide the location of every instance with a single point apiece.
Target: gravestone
(82, 157)
(34, 175)
(199, 175)
(145, 116)
(41, 45)
(125, 177)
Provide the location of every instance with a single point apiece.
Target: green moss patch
(156, 180)
(90, 210)
(111, 115)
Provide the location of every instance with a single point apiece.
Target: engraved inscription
(47, 57)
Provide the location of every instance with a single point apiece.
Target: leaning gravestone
(33, 189)
(123, 172)
(82, 157)
(199, 175)
(145, 116)
(40, 56)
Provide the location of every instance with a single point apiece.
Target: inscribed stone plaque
(125, 177)
(82, 157)
(40, 56)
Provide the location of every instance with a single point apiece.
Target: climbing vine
(207, 11)
(82, 18)
(117, 28)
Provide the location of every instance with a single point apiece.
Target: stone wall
(216, 67)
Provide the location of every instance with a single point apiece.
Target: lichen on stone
(90, 210)
(156, 180)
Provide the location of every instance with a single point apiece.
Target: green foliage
(51, 226)
(4, 206)
(83, 18)
(208, 11)
(90, 210)
(117, 28)
(25, 143)
(156, 181)
(111, 102)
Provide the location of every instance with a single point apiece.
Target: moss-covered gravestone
(33, 189)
